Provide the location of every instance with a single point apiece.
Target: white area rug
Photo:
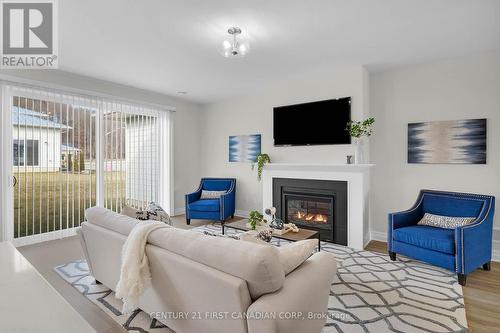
(369, 294)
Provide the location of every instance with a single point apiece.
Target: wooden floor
(482, 293)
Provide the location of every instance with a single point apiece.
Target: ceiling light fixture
(232, 47)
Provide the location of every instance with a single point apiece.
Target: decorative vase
(359, 151)
(277, 224)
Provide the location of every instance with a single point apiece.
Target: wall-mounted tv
(315, 123)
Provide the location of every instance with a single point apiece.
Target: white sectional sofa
(219, 284)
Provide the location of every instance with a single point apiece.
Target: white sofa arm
(305, 292)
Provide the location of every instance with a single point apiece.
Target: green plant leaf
(262, 159)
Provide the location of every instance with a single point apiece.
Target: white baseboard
(44, 237)
(378, 236)
(179, 211)
(495, 256)
(382, 236)
(241, 213)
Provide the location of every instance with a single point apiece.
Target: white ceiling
(171, 45)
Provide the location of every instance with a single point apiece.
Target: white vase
(359, 151)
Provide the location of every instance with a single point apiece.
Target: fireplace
(313, 204)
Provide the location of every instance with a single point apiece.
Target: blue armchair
(462, 249)
(212, 209)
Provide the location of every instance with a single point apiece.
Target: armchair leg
(392, 255)
(232, 216)
(487, 266)
(188, 221)
(462, 279)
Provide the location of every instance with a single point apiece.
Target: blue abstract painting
(244, 148)
(447, 142)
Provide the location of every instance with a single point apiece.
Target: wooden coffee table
(289, 236)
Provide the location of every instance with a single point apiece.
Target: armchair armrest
(192, 197)
(403, 219)
(317, 273)
(228, 203)
(474, 241)
(407, 217)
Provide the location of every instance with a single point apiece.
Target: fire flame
(312, 217)
(320, 218)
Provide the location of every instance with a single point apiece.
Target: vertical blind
(130, 156)
(70, 152)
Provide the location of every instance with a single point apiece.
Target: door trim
(6, 186)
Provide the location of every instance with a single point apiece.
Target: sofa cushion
(205, 205)
(110, 220)
(432, 238)
(292, 255)
(258, 265)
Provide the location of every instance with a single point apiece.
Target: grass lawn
(43, 200)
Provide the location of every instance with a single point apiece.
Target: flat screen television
(315, 123)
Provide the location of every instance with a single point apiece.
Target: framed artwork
(447, 142)
(244, 148)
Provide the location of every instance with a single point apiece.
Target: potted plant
(255, 219)
(262, 159)
(358, 130)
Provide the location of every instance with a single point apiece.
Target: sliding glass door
(71, 152)
(53, 150)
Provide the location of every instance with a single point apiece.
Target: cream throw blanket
(135, 276)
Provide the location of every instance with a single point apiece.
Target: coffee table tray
(281, 232)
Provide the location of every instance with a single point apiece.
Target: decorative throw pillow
(292, 255)
(211, 194)
(447, 222)
(134, 213)
(152, 212)
(156, 213)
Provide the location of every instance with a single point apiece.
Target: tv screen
(316, 123)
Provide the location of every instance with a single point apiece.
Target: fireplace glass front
(309, 210)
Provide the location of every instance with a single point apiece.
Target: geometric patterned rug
(370, 293)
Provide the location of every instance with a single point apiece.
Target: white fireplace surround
(357, 177)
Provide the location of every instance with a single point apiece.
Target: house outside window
(26, 151)
(18, 152)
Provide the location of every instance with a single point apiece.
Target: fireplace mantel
(319, 167)
(357, 177)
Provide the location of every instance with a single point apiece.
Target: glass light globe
(244, 48)
(226, 45)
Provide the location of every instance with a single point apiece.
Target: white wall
(254, 115)
(443, 90)
(186, 120)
